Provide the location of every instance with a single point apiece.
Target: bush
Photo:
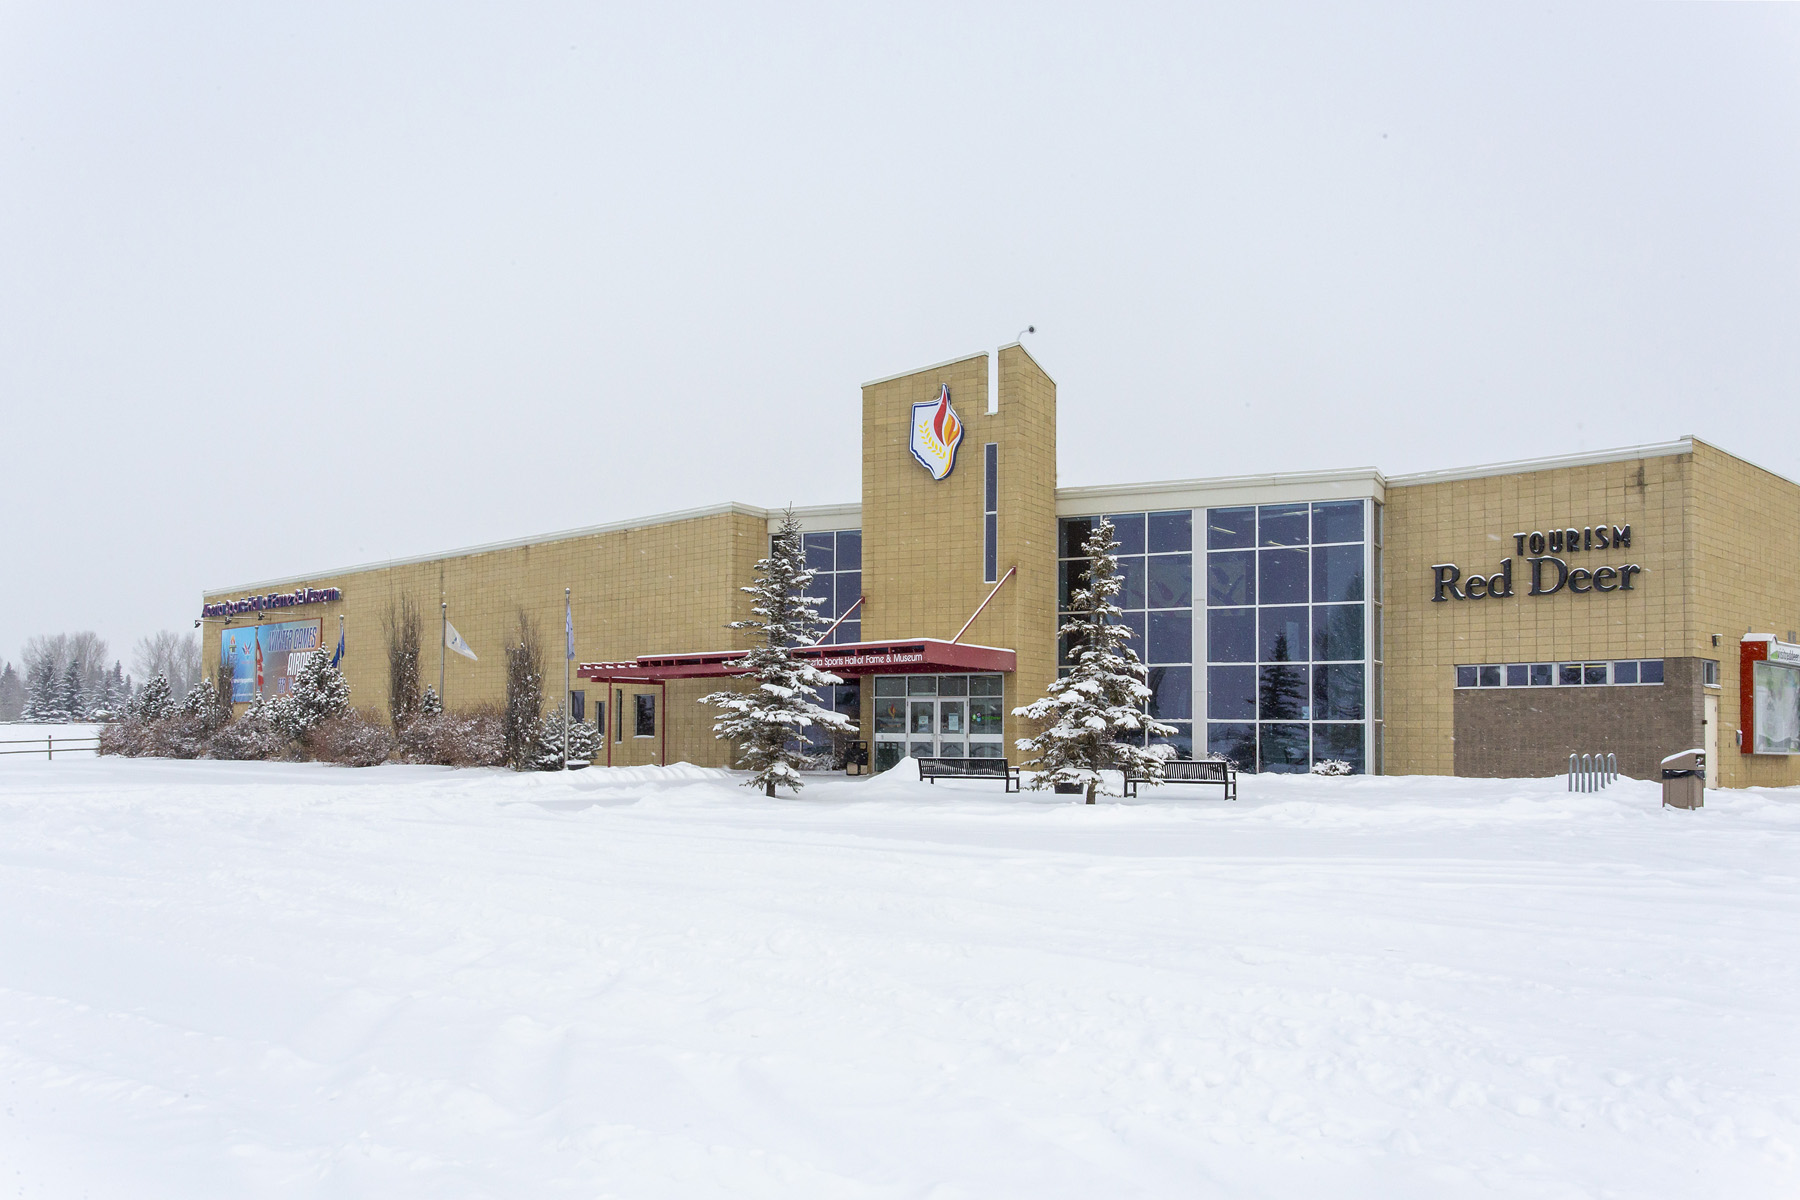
(177, 736)
(584, 743)
(524, 696)
(455, 739)
(352, 739)
(253, 737)
(123, 738)
(1331, 766)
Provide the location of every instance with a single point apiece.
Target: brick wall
(1503, 732)
(652, 589)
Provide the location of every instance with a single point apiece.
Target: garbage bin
(856, 758)
(1684, 779)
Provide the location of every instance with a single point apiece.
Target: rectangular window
(646, 715)
(577, 705)
(619, 720)
(1709, 672)
(600, 718)
(990, 512)
(1628, 673)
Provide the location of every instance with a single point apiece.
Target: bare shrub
(176, 736)
(401, 625)
(524, 695)
(355, 738)
(123, 738)
(253, 737)
(455, 739)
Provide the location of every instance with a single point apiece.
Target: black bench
(1182, 770)
(934, 769)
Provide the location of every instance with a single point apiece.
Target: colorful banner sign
(262, 660)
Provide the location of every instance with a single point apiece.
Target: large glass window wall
(1156, 560)
(1292, 613)
(836, 560)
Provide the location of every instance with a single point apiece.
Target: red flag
(259, 666)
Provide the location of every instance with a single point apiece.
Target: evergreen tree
(154, 701)
(69, 706)
(118, 690)
(320, 693)
(12, 693)
(1281, 690)
(1087, 715)
(430, 705)
(202, 705)
(40, 690)
(584, 743)
(767, 720)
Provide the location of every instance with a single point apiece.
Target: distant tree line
(67, 677)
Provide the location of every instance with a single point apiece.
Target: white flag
(569, 629)
(454, 640)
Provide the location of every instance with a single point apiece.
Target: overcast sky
(285, 288)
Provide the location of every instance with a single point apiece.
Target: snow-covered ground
(223, 980)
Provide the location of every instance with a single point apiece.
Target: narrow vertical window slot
(990, 519)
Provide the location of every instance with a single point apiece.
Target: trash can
(1684, 779)
(856, 758)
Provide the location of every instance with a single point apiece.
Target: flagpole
(568, 651)
(443, 640)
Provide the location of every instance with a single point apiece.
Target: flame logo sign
(936, 433)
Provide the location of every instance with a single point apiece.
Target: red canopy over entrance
(909, 656)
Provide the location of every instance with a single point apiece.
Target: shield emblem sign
(936, 433)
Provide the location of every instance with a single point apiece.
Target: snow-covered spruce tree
(40, 690)
(320, 693)
(1086, 714)
(429, 704)
(68, 702)
(524, 695)
(112, 695)
(153, 701)
(584, 743)
(202, 705)
(12, 693)
(767, 719)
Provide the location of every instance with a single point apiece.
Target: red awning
(910, 656)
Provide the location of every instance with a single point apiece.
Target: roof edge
(1525, 466)
(948, 362)
(668, 518)
(1101, 491)
(1020, 346)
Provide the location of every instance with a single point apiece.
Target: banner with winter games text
(263, 659)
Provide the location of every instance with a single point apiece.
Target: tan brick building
(1487, 621)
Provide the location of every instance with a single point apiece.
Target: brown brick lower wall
(1514, 732)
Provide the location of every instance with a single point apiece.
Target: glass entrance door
(938, 716)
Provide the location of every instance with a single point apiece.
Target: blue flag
(568, 630)
(339, 656)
